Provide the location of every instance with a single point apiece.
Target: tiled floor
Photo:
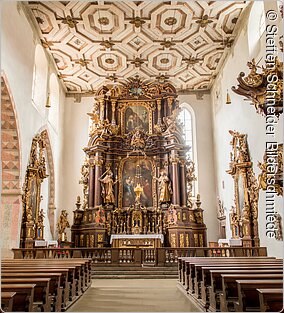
(133, 295)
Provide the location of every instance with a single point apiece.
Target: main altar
(137, 179)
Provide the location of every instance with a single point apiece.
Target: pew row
(212, 282)
(57, 283)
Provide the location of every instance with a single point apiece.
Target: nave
(134, 295)
(215, 284)
(142, 156)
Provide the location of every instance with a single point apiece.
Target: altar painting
(136, 116)
(33, 196)
(130, 180)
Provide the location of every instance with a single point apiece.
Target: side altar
(137, 179)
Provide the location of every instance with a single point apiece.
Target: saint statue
(107, 184)
(85, 169)
(137, 140)
(40, 224)
(278, 224)
(165, 187)
(62, 225)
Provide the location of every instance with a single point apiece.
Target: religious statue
(234, 222)
(190, 178)
(62, 225)
(173, 125)
(262, 176)
(107, 184)
(254, 194)
(165, 187)
(99, 127)
(221, 209)
(85, 180)
(278, 224)
(138, 140)
(40, 225)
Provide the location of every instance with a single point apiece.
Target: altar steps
(125, 272)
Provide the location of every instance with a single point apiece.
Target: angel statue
(165, 187)
(107, 184)
(62, 225)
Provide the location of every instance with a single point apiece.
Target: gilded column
(91, 185)
(159, 105)
(183, 183)
(113, 104)
(102, 108)
(176, 190)
(170, 105)
(98, 173)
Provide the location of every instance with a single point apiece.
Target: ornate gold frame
(245, 218)
(124, 105)
(120, 169)
(36, 172)
(278, 176)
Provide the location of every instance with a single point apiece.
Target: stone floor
(133, 295)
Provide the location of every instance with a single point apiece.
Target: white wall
(205, 160)
(242, 117)
(18, 45)
(76, 136)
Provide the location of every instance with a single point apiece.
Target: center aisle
(133, 295)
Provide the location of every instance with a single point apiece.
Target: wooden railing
(136, 256)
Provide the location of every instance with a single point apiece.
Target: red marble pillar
(183, 183)
(91, 186)
(176, 190)
(97, 185)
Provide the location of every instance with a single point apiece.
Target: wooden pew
(41, 291)
(189, 261)
(183, 260)
(54, 286)
(24, 297)
(271, 300)
(195, 270)
(248, 296)
(229, 292)
(78, 272)
(7, 299)
(195, 274)
(82, 271)
(212, 278)
(86, 264)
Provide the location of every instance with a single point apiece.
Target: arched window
(256, 27)
(187, 117)
(40, 73)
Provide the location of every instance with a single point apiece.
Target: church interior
(142, 156)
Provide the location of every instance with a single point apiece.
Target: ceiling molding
(186, 42)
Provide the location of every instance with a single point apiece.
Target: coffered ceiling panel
(96, 43)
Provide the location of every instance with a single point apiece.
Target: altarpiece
(137, 180)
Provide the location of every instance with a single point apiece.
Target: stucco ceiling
(95, 43)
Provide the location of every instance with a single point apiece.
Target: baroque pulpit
(137, 179)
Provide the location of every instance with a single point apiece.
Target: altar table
(137, 241)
